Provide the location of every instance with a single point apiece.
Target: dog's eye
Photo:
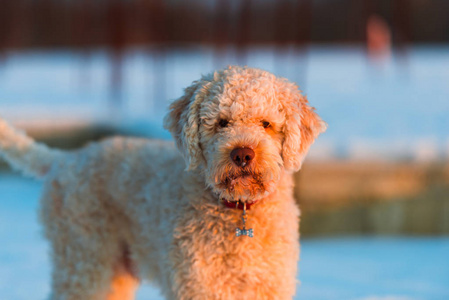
(266, 124)
(223, 123)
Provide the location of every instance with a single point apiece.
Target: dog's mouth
(246, 179)
(243, 185)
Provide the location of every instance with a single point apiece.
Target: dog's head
(243, 127)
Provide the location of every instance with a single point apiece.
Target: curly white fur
(23, 154)
(128, 208)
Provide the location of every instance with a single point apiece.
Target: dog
(214, 220)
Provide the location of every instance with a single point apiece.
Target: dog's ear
(301, 127)
(182, 121)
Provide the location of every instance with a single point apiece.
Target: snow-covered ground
(352, 268)
(395, 108)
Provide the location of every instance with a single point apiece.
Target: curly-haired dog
(129, 208)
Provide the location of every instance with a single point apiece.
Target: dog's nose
(242, 156)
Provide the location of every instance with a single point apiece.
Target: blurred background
(374, 191)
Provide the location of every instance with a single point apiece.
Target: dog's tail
(23, 153)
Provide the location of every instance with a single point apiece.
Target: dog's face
(243, 127)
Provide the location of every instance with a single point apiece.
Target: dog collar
(238, 204)
(244, 207)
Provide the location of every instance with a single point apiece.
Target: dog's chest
(208, 254)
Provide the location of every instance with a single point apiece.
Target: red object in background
(378, 37)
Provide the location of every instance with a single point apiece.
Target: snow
(395, 108)
(352, 268)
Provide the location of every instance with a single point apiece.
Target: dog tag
(241, 232)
